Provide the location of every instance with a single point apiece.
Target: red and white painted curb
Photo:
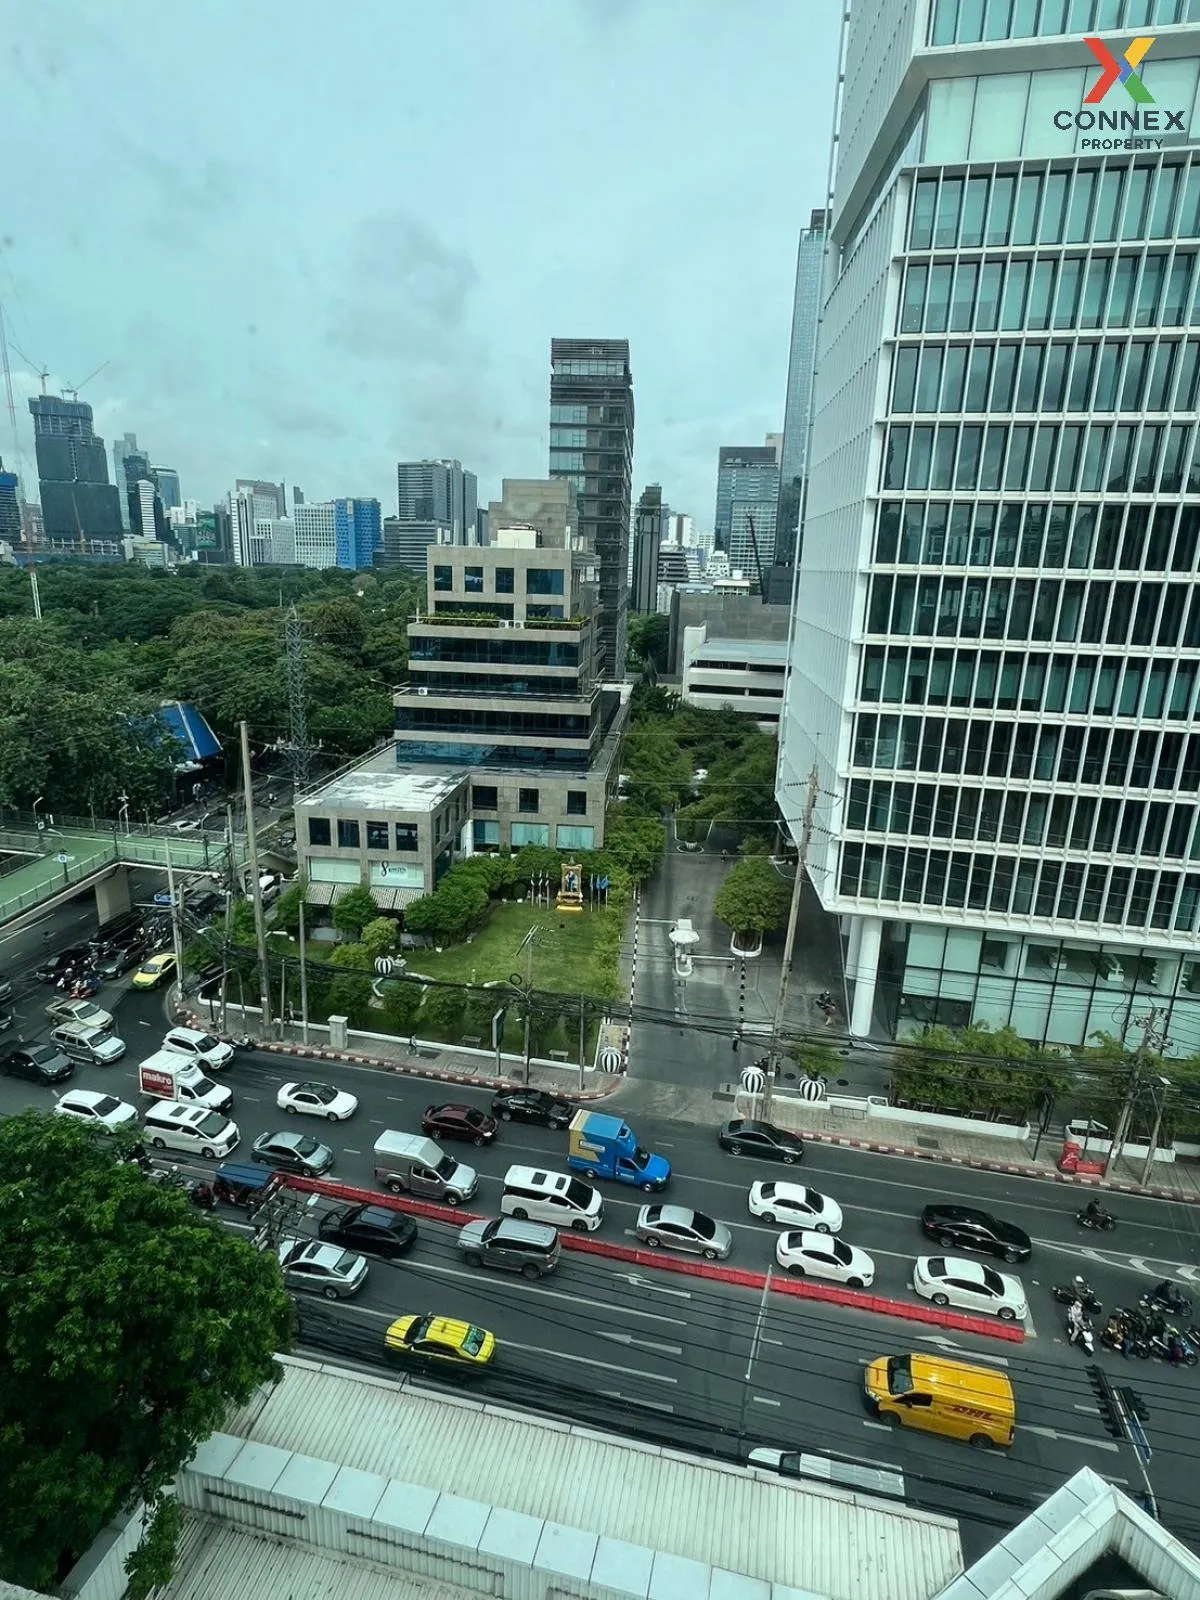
(1020, 1169)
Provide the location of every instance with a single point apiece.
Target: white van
(171, 1126)
(555, 1197)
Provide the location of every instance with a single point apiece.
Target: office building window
(484, 796)
(347, 833)
(319, 831)
(577, 803)
(406, 836)
(473, 580)
(574, 838)
(530, 833)
(443, 578)
(504, 580)
(377, 835)
(543, 580)
(527, 800)
(486, 835)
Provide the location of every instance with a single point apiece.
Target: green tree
(341, 624)
(381, 936)
(349, 995)
(753, 898)
(286, 914)
(442, 1012)
(354, 910)
(402, 1005)
(649, 637)
(129, 1324)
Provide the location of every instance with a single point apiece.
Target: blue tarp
(186, 725)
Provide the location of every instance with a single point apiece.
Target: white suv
(202, 1048)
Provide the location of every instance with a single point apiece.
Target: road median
(654, 1260)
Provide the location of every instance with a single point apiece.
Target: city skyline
(395, 334)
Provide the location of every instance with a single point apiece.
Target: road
(704, 1364)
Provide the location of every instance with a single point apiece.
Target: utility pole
(303, 977)
(176, 932)
(1160, 1105)
(789, 943)
(293, 634)
(582, 1040)
(1141, 1056)
(228, 940)
(260, 925)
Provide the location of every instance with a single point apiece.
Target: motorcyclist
(1075, 1321)
(1095, 1213)
(1170, 1295)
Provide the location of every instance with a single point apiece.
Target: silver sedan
(678, 1228)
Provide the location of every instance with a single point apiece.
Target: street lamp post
(36, 823)
(123, 813)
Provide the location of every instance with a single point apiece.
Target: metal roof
(411, 792)
(220, 1561)
(810, 1537)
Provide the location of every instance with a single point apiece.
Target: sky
(307, 241)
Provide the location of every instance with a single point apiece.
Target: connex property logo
(1132, 126)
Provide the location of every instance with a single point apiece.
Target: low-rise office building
(744, 674)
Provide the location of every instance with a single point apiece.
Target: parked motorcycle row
(1143, 1330)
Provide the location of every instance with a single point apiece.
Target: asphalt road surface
(707, 1365)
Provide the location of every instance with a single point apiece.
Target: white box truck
(166, 1075)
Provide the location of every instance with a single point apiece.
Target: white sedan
(796, 1204)
(100, 1110)
(969, 1286)
(317, 1100)
(815, 1255)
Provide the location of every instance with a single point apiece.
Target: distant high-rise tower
(316, 533)
(10, 508)
(591, 442)
(121, 448)
(358, 533)
(647, 541)
(78, 502)
(166, 480)
(441, 492)
(806, 307)
(252, 502)
(747, 493)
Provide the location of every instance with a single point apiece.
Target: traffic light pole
(1124, 1413)
(789, 943)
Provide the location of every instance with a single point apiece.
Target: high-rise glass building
(441, 492)
(316, 533)
(166, 480)
(747, 500)
(10, 507)
(996, 647)
(591, 443)
(78, 502)
(647, 541)
(125, 445)
(806, 306)
(357, 533)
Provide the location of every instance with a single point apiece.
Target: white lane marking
(472, 1276)
(255, 1099)
(1030, 1330)
(588, 1361)
(642, 1344)
(761, 1400)
(948, 1344)
(632, 1400)
(882, 1426)
(758, 1322)
(638, 1282)
(779, 1342)
(1074, 1438)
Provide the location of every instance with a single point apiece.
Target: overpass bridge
(65, 860)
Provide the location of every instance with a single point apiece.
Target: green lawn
(564, 951)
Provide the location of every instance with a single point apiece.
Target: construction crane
(74, 392)
(42, 375)
(8, 388)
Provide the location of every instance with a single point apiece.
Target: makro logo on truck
(1136, 126)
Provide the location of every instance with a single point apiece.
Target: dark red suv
(458, 1122)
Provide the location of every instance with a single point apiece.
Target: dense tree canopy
(753, 897)
(114, 642)
(129, 1322)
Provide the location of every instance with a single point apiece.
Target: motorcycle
(243, 1041)
(1127, 1332)
(1102, 1221)
(1166, 1297)
(1079, 1290)
(85, 986)
(1079, 1329)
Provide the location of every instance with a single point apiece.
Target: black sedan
(118, 962)
(39, 1063)
(458, 1122)
(965, 1228)
(742, 1137)
(372, 1230)
(533, 1105)
(65, 961)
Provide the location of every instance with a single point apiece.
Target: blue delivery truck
(606, 1147)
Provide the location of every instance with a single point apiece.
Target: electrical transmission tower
(297, 681)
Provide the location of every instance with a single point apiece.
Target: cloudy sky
(310, 240)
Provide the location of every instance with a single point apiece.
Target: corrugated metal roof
(219, 1561)
(814, 1537)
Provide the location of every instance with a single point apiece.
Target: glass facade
(973, 21)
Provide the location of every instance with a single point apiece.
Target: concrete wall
(729, 616)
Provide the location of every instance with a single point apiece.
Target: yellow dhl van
(939, 1396)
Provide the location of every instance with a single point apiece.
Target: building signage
(1139, 128)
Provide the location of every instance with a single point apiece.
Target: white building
(996, 648)
(316, 534)
(746, 675)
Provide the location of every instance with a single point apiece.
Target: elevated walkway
(64, 860)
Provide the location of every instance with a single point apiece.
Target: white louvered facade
(996, 651)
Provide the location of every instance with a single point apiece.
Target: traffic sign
(63, 858)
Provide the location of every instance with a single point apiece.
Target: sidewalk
(1177, 1181)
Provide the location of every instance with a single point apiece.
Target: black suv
(375, 1230)
(40, 1063)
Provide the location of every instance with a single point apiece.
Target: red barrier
(735, 1277)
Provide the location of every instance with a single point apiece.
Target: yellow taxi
(153, 972)
(954, 1398)
(439, 1344)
